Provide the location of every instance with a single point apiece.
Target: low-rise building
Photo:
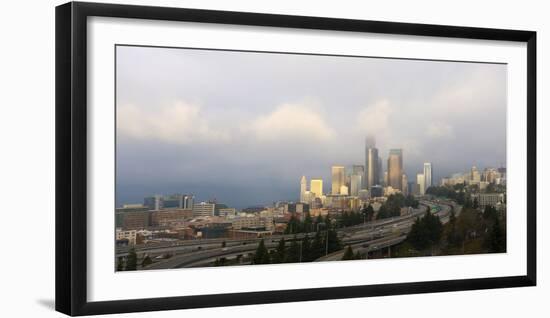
(203, 209)
(225, 212)
(491, 199)
(252, 221)
(128, 236)
(170, 217)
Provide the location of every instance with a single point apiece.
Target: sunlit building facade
(316, 187)
(338, 178)
(395, 169)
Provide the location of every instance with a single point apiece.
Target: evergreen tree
(293, 253)
(490, 213)
(475, 205)
(317, 247)
(293, 225)
(425, 232)
(468, 202)
(348, 254)
(280, 254)
(306, 250)
(261, 256)
(496, 238)
(370, 212)
(120, 264)
(334, 243)
(382, 212)
(131, 261)
(308, 223)
(461, 197)
(318, 220)
(453, 237)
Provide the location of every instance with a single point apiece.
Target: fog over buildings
(243, 128)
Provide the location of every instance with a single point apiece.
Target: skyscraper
(303, 189)
(380, 171)
(428, 181)
(358, 169)
(355, 184)
(420, 181)
(371, 163)
(316, 187)
(395, 169)
(475, 176)
(338, 178)
(405, 185)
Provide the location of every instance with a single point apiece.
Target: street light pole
(327, 242)
(301, 242)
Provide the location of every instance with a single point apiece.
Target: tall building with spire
(303, 189)
(372, 176)
(395, 169)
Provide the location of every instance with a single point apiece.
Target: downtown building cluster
(489, 185)
(368, 183)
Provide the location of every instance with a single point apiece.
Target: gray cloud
(244, 127)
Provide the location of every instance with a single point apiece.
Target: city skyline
(248, 145)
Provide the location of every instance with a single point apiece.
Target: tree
(468, 223)
(496, 239)
(319, 219)
(317, 247)
(120, 264)
(453, 237)
(280, 252)
(461, 197)
(293, 225)
(348, 254)
(306, 250)
(333, 241)
(490, 213)
(308, 223)
(224, 244)
(261, 256)
(382, 212)
(370, 212)
(475, 205)
(146, 261)
(425, 232)
(411, 201)
(131, 260)
(293, 254)
(468, 202)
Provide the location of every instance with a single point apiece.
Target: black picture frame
(71, 157)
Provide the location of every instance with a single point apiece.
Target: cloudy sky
(243, 127)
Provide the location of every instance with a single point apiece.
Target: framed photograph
(213, 158)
